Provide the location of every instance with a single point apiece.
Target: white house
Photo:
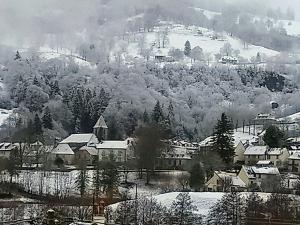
(256, 174)
(121, 150)
(225, 181)
(253, 154)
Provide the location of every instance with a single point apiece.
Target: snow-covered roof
(251, 171)
(101, 123)
(264, 162)
(206, 142)
(80, 138)
(177, 152)
(256, 150)
(90, 150)
(294, 155)
(63, 149)
(5, 146)
(276, 151)
(112, 145)
(235, 180)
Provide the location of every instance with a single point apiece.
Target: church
(93, 147)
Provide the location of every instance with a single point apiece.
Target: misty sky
(27, 22)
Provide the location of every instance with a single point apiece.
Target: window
(277, 156)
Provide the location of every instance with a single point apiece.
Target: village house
(278, 156)
(122, 151)
(225, 181)
(256, 174)
(178, 156)
(76, 141)
(294, 161)
(64, 152)
(239, 151)
(253, 154)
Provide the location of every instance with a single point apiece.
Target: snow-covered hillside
(208, 40)
(292, 27)
(48, 53)
(291, 118)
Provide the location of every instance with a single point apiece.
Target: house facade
(224, 181)
(256, 174)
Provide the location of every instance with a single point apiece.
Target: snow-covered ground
(179, 34)
(291, 118)
(209, 14)
(292, 27)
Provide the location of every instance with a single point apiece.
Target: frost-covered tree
(182, 210)
(228, 211)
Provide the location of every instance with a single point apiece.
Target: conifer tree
(37, 125)
(97, 179)
(182, 210)
(47, 119)
(223, 139)
(110, 178)
(228, 211)
(254, 207)
(157, 114)
(17, 56)
(187, 49)
(146, 119)
(197, 177)
(82, 180)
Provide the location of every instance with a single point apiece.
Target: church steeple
(101, 129)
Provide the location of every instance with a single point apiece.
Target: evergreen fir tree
(157, 115)
(228, 211)
(17, 56)
(97, 179)
(254, 207)
(197, 177)
(223, 139)
(82, 181)
(110, 178)
(47, 119)
(182, 210)
(146, 119)
(37, 127)
(187, 49)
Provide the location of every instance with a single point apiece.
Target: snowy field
(63, 183)
(179, 34)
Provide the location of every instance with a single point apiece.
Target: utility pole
(136, 205)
